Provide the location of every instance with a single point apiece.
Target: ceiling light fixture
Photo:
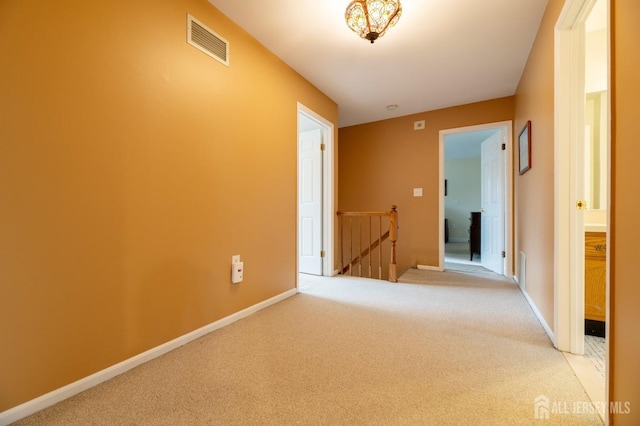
(370, 19)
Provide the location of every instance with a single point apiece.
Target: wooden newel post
(393, 237)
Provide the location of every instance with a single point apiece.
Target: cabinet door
(595, 276)
(594, 289)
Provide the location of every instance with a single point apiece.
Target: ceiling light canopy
(370, 19)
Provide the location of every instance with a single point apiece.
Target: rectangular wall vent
(207, 41)
(522, 271)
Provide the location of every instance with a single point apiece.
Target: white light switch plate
(417, 192)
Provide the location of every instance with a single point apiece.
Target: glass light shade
(370, 19)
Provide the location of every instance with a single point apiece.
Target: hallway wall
(129, 176)
(624, 345)
(381, 163)
(533, 201)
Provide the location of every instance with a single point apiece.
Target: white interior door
(569, 140)
(492, 202)
(310, 202)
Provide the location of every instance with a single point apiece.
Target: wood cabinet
(474, 234)
(595, 276)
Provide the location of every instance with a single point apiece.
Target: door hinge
(322, 146)
(504, 253)
(504, 146)
(321, 253)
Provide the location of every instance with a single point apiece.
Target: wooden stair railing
(391, 234)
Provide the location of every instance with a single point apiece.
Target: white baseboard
(537, 313)
(429, 268)
(30, 407)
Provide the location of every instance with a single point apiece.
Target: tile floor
(590, 369)
(596, 353)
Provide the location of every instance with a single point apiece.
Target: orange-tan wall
(132, 167)
(381, 162)
(624, 340)
(534, 101)
(533, 202)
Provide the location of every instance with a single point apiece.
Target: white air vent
(522, 271)
(205, 40)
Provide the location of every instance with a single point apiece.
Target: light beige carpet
(435, 349)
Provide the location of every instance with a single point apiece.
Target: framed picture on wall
(524, 142)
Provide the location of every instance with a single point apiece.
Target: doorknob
(581, 205)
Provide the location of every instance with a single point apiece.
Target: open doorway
(315, 194)
(582, 144)
(475, 207)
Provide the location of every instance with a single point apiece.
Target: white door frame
(507, 127)
(568, 174)
(328, 189)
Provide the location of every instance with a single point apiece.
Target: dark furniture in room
(474, 234)
(446, 231)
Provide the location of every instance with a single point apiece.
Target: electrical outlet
(237, 272)
(237, 269)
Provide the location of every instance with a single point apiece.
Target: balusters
(370, 218)
(358, 260)
(393, 237)
(351, 245)
(360, 245)
(380, 251)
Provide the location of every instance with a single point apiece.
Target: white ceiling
(466, 145)
(441, 53)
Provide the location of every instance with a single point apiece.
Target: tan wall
(534, 101)
(381, 163)
(624, 351)
(132, 167)
(533, 208)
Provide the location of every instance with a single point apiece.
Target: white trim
(328, 189)
(30, 407)
(568, 288)
(568, 175)
(441, 200)
(430, 268)
(537, 313)
(507, 126)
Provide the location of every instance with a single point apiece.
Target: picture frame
(524, 144)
